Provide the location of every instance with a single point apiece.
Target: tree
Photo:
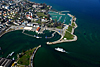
(61, 25)
(44, 5)
(51, 21)
(48, 16)
(56, 24)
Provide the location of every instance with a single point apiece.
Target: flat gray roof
(5, 62)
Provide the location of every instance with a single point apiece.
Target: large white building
(27, 28)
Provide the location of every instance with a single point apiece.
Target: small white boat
(37, 37)
(0, 48)
(60, 49)
(34, 35)
(11, 54)
(13, 58)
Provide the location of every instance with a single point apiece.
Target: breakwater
(32, 57)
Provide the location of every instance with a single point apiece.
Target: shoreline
(31, 58)
(61, 40)
(9, 32)
(53, 29)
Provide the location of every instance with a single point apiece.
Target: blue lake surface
(85, 52)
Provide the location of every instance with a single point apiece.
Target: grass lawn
(24, 60)
(70, 28)
(40, 14)
(48, 8)
(20, 66)
(38, 21)
(73, 24)
(68, 35)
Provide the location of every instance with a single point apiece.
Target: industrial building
(5, 62)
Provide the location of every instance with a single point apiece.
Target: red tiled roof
(30, 16)
(38, 29)
(27, 15)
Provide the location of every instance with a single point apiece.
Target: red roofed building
(37, 30)
(0, 13)
(30, 16)
(27, 15)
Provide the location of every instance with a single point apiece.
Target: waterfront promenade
(61, 32)
(12, 28)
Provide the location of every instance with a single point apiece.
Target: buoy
(0, 48)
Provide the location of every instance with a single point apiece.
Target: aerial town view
(31, 16)
(29, 28)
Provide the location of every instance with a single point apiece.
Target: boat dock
(64, 20)
(51, 36)
(59, 19)
(65, 11)
(27, 34)
(30, 35)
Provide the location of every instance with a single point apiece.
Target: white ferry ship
(60, 49)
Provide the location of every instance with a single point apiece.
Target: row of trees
(55, 24)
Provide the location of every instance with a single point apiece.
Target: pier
(61, 41)
(51, 36)
(59, 19)
(65, 11)
(27, 34)
(32, 57)
(30, 35)
(64, 20)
